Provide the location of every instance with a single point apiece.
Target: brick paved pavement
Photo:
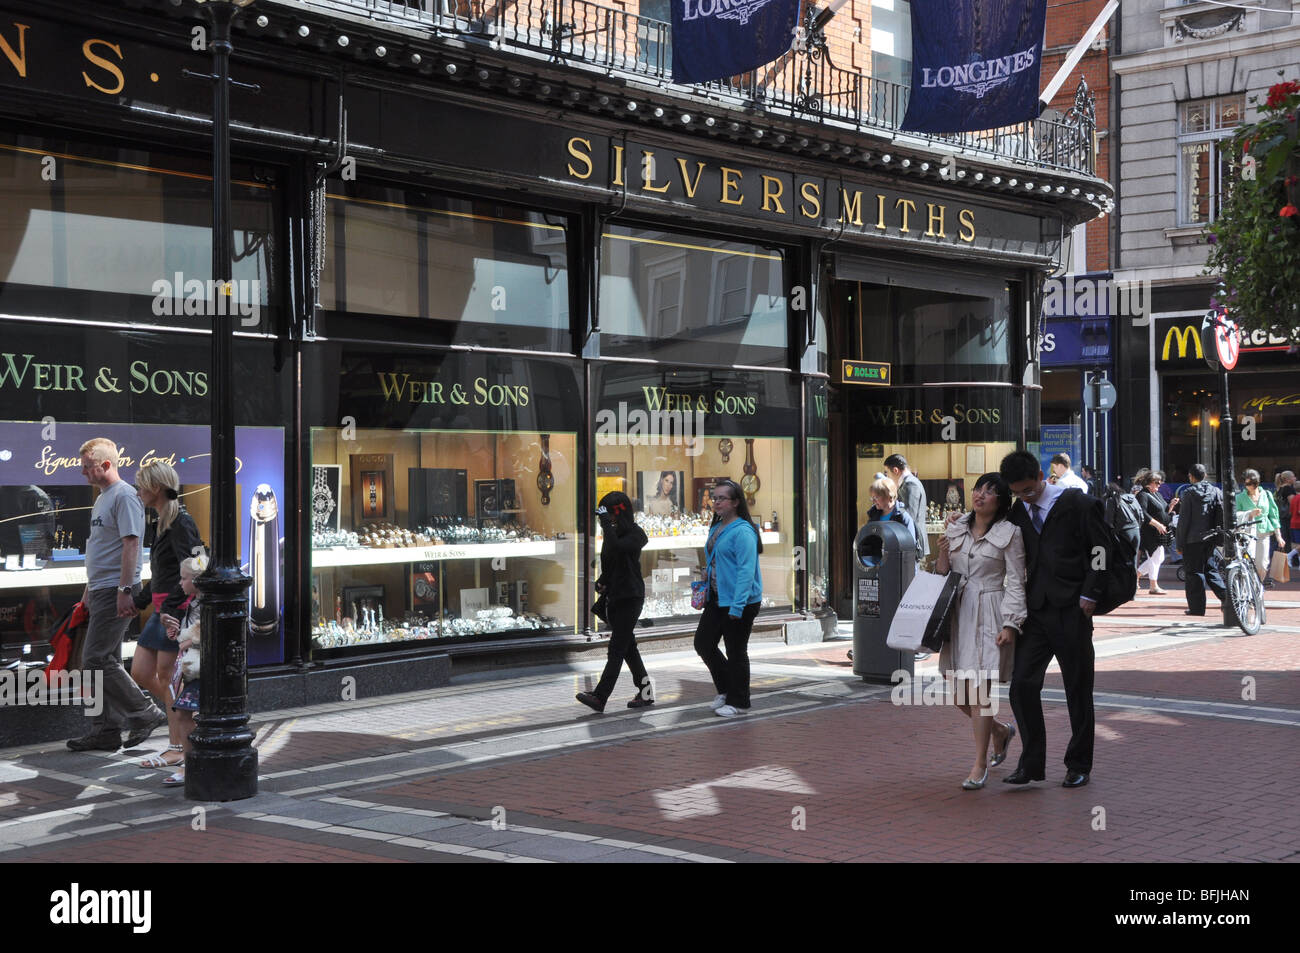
(826, 768)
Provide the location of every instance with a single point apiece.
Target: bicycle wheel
(1245, 605)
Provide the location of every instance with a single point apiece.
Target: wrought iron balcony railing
(804, 83)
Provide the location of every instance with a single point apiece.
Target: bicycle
(1242, 588)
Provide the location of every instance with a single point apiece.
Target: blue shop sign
(1067, 341)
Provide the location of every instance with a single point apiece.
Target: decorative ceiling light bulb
(343, 41)
(304, 31)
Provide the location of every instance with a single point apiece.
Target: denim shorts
(154, 636)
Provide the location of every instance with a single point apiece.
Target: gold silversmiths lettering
(853, 206)
(687, 185)
(618, 165)
(583, 157)
(648, 174)
(104, 64)
(967, 219)
(811, 194)
(728, 184)
(908, 206)
(930, 211)
(774, 197)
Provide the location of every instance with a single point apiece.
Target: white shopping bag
(921, 621)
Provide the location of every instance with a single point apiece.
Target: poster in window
(372, 488)
(660, 491)
(610, 478)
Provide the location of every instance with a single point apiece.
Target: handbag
(699, 593)
(1280, 568)
(924, 616)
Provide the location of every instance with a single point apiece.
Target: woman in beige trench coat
(989, 553)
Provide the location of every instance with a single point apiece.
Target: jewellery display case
(674, 554)
(468, 552)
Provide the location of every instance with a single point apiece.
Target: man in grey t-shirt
(112, 577)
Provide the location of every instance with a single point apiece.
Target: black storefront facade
(490, 306)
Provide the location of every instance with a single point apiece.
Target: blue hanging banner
(716, 39)
(975, 64)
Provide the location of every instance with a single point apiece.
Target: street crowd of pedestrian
(1029, 587)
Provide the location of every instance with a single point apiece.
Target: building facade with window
(1185, 75)
(488, 270)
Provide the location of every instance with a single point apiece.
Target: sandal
(159, 760)
(174, 780)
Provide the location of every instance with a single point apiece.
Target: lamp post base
(222, 765)
(221, 775)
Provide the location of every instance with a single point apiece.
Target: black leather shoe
(592, 701)
(108, 739)
(639, 702)
(1075, 779)
(1020, 776)
(1190, 612)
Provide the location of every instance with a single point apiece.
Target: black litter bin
(884, 563)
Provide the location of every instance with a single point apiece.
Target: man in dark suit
(1064, 537)
(1200, 509)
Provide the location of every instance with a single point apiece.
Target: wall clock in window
(724, 447)
(545, 479)
(749, 482)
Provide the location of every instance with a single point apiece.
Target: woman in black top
(1155, 524)
(622, 590)
(171, 541)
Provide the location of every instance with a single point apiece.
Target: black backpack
(1122, 518)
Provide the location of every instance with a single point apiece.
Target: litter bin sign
(884, 562)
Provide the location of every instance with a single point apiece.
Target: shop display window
(482, 272)
(133, 223)
(421, 535)
(699, 300)
(960, 331)
(670, 490)
(727, 425)
(948, 471)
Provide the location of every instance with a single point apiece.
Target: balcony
(803, 84)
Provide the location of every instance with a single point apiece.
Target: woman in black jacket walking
(622, 591)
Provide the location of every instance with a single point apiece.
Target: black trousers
(622, 647)
(1195, 557)
(731, 671)
(1067, 634)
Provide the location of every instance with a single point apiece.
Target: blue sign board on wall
(1059, 438)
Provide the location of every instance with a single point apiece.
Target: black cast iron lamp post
(222, 766)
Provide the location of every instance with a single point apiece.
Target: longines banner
(975, 64)
(715, 39)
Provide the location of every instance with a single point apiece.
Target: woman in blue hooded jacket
(735, 592)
